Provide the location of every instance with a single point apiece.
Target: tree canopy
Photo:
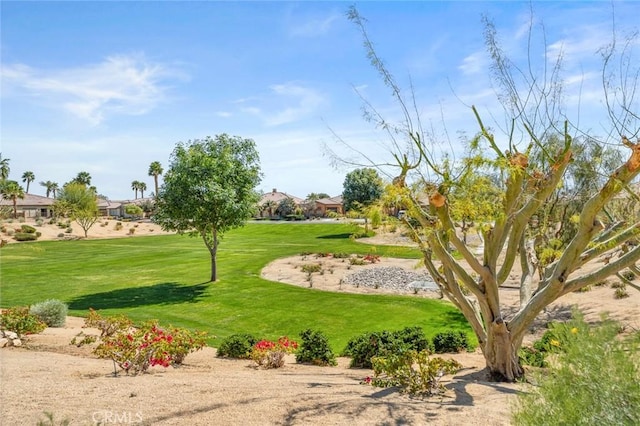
(209, 188)
(79, 203)
(361, 187)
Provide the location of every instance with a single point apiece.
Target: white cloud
(224, 114)
(314, 27)
(286, 103)
(475, 63)
(128, 85)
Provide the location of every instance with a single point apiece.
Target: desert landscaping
(48, 374)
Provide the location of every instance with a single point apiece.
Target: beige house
(269, 202)
(323, 206)
(31, 206)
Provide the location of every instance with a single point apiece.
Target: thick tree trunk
(501, 353)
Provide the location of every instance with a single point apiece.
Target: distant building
(31, 206)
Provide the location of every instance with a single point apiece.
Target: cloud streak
(121, 84)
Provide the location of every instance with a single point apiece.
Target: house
(116, 208)
(323, 206)
(31, 206)
(270, 200)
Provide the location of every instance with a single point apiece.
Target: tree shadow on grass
(157, 294)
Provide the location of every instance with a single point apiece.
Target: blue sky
(109, 87)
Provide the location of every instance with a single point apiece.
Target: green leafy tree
(28, 177)
(313, 196)
(79, 203)
(361, 188)
(155, 170)
(133, 210)
(209, 189)
(286, 207)
(532, 106)
(270, 207)
(11, 190)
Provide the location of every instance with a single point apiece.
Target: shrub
(340, 255)
(357, 261)
(237, 346)
(61, 235)
(450, 342)
(27, 229)
(533, 357)
(23, 236)
(315, 349)
(20, 321)
(268, 354)
(69, 230)
(52, 312)
(621, 293)
(628, 274)
(108, 326)
(362, 234)
(310, 268)
(595, 380)
(414, 372)
(368, 345)
(10, 232)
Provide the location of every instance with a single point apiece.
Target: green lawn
(164, 277)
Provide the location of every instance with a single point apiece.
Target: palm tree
(54, 188)
(83, 178)
(155, 170)
(28, 177)
(142, 187)
(270, 206)
(135, 185)
(11, 190)
(47, 185)
(4, 168)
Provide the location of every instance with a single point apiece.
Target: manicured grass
(164, 277)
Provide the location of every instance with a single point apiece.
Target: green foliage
(451, 341)
(237, 346)
(210, 189)
(361, 233)
(268, 354)
(22, 236)
(50, 420)
(52, 312)
(20, 321)
(315, 349)
(621, 293)
(310, 268)
(595, 380)
(532, 356)
(415, 372)
(28, 229)
(78, 201)
(361, 187)
(286, 208)
(364, 347)
(133, 210)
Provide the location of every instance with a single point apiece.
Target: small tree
(286, 207)
(362, 188)
(11, 190)
(79, 203)
(133, 210)
(210, 189)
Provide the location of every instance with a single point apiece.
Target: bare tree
(530, 171)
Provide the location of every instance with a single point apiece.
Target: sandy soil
(50, 375)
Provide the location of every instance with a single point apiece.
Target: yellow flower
(574, 330)
(555, 343)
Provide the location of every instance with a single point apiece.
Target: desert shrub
(28, 229)
(358, 261)
(39, 222)
(532, 356)
(628, 274)
(50, 420)
(362, 234)
(118, 226)
(379, 344)
(595, 380)
(132, 231)
(315, 349)
(10, 232)
(108, 326)
(310, 268)
(237, 346)
(340, 255)
(23, 236)
(583, 289)
(20, 321)
(416, 373)
(450, 342)
(621, 293)
(52, 312)
(21, 220)
(61, 235)
(69, 230)
(618, 284)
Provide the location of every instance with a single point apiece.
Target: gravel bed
(391, 278)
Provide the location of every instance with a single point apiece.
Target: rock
(10, 335)
(4, 342)
(17, 342)
(390, 277)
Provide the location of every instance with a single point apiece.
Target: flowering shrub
(268, 354)
(20, 321)
(134, 350)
